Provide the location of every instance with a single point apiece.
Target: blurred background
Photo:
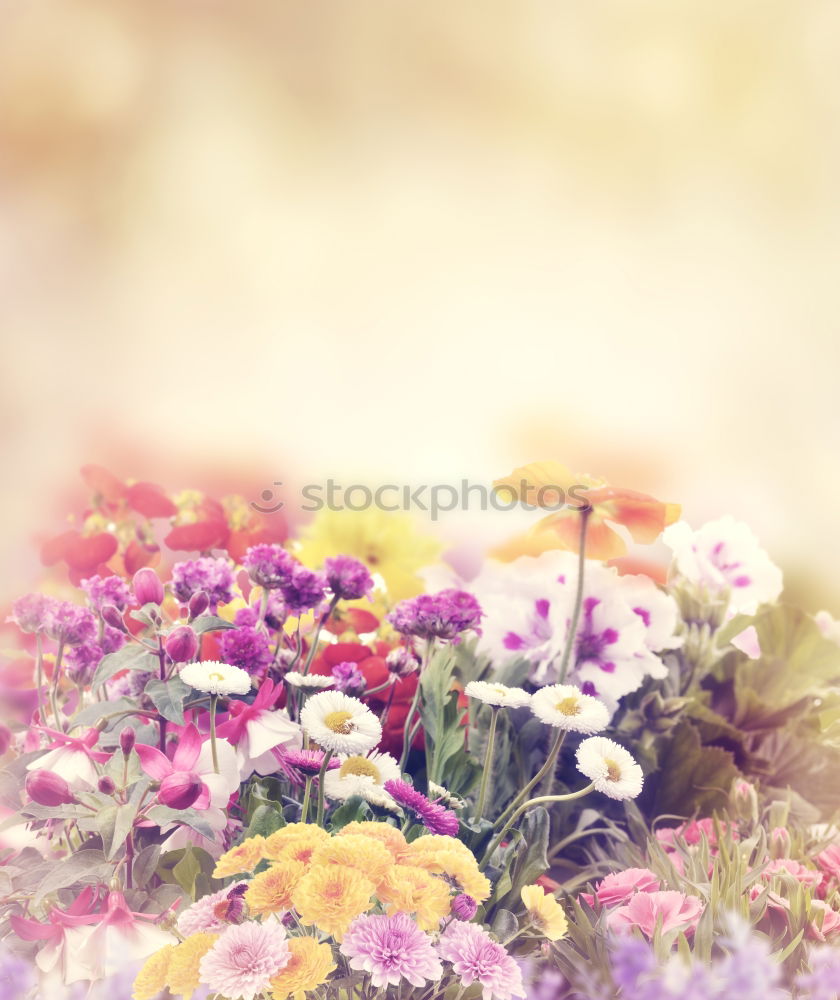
(401, 242)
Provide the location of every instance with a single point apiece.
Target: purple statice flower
(107, 590)
(249, 616)
(464, 907)
(347, 578)
(822, 982)
(476, 957)
(208, 574)
(276, 611)
(436, 818)
(391, 949)
(81, 662)
(30, 613)
(348, 677)
(402, 661)
(303, 591)
(444, 615)
(247, 648)
(269, 565)
(68, 623)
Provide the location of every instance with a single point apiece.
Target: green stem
(321, 775)
(307, 795)
(39, 677)
(570, 643)
(54, 688)
(488, 761)
(406, 750)
(213, 699)
(322, 621)
(550, 762)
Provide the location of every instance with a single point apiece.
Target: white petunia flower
(364, 776)
(310, 681)
(216, 678)
(565, 706)
(337, 722)
(499, 695)
(610, 768)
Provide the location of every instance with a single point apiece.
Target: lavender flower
(107, 590)
(68, 623)
(303, 590)
(823, 980)
(348, 677)
(347, 578)
(270, 566)
(208, 574)
(30, 613)
(247, 648)
(437, 616)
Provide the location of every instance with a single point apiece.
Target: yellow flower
(456, 864)
(331, 897)
(544, 912)
(368, 856)
(243, 858)
(389, 545)
(182, 977)
(308, 967)
(151, 979)
(389, 835)
(271, 891)
(408, 889)
(295, 842)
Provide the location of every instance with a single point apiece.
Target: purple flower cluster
(304, 590)
(107, 590)
(348, 677)
(436, 818)
(347, 578)
(269, 566)
(30, 613)
(82, 660)
(68, 623)
(444, 615)
(212, 576)
(301, 589)
(246, 647)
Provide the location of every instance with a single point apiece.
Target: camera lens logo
(267, 497)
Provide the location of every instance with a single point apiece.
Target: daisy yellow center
(613, 770)
(214, 675)
(360, 767)
(568, 706)
(339, 722)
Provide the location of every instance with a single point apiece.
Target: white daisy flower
(364, 776)
(216, 678)
(340, 723)
(610, 768)
(565, 706)
(499, 695)
(437, 793)
(310, 681)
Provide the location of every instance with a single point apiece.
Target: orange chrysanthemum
(243, 858)
(410, 889)
(308, 967)
(182, 977)
(271, 890)
(331, 897)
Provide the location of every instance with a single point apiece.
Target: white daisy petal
(364, 776)
(565, 706)
(499, 695)
(337, 722)
(299, 680)
(216, 678)
(610, 768)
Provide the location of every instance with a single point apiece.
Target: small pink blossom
(826, 924)
(669, 910)
(620, 886)
(788, 866)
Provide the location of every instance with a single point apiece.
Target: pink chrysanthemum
(207, 915)
(476, 957)
(390, 949)
(434, 817)
(243, 960)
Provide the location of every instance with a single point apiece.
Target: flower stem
(54, 688)
(39, 677)
(550, 762)
(213, 699)
(307, 795)
(321, 775)
(488, 761)
(570, 642)
(407, 735)
(322, 621)
(386, 711)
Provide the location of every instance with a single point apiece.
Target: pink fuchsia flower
(48, 789)
(181, 644)
(444, 615)
(60, 937)
(192, 764)
(476, 957)
(436, 818)
(244, 959)
(208, 575)
(794, 869)
(615, 889)
(258, 730)
(147, 587)
(390, 949)
(209, 914)
(668, 910)
(347, 578)
(72, 758)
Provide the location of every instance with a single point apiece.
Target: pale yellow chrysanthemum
(243, 858)
(182, 977)
(271, 890)
(544, 912)
(308, 967)
(388, 543)
(295, 842)
(458, 867)
(331, 897)
(440, 842)
(389, 835)
(368, 856)
(408, 889)
(151, 979)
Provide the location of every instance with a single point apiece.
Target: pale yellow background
(420, 241)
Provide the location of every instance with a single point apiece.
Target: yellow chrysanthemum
(408, 889)
(439, 842)
(182, 977)
(243, 858)
(151, 979)
(331, 897)
(295, 842)
(271, 890)
(544, 912)
(388, 835)
(389, 545)
(308, 967)
(458, 867)
(368, 856)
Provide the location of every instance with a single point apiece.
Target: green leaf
(163, 816)
(145, 864)
(130, 657)
(210, 623)
(168, 697)
(267, 818)
(524, 859)
(186, 872)
(84, 867)
(693, 777)
(355, 809)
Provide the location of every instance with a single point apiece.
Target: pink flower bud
(127, 739)
(464, 907)
(180, 790)
(181, 644)
(780, 842)
(48, 788)
(106, 785)
(112, 617)
(147, 587)
(199, 603)
(5, 739)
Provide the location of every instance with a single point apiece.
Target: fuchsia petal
(153, 762)
(189, 747)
